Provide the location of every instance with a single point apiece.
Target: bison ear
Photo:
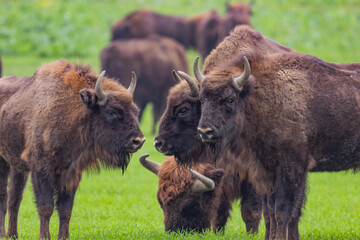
(89, 98)
(216, 175)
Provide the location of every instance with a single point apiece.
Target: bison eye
(113, 114)
(182, 111)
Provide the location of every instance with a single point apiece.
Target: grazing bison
(142, 23)
(288, 114)
(188, 203)
(178, 136)
(152, 59)
(55, 124)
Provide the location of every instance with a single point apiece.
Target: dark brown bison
(287, 114)
(187, 197)
(152, 59)
(178, 136)
(55, 124)
(142, 23)
(212, 28)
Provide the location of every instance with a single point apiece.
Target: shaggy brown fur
(53, 126)
(178, 136)
(142, 23)
(152, 59)
(183, 208)
(296, 114)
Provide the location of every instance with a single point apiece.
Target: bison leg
(4, 174)
(287, 187)
(251, 207)
(266, 219)
(270, 206)
(64, 205)
(16, 189)
(44, 193)
(293, 228)
(223, 213)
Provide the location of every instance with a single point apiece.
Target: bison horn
(240, 81)
(202, 183)
(98, 90)
(176, 76)
(132, 85)
(149, 165)
(194, 88)
(198, 75)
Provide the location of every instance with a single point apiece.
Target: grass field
(110, 205)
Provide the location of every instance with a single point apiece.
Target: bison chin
(120, 159)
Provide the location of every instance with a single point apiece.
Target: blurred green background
(110, 205)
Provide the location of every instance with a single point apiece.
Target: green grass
(110, 205)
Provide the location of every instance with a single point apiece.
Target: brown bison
(287, 114)
(187, 197)
(142, 23)
(178, 136)
(55, 124)
(152, 59)
(212, 28)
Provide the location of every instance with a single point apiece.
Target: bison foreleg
(222, 214)
(251, 207)
(64, 205)
(17, 185)
(4, 174)
(44, 193)
(269, 215)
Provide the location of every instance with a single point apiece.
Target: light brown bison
(178, 136)
(142, 23)
(287, 114)
(55, 124)
(187, 197)
(152, 59)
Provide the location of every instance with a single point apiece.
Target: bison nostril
(158, 143)
(205, 131)
(138, 142)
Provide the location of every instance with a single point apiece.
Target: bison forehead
(178, 93)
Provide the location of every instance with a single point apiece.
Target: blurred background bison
(153, 59)
(201, 32)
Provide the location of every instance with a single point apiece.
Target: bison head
(178, 126)
(188, 198)
(114, 122)
(223, 96)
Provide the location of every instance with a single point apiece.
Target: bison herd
(250, 125)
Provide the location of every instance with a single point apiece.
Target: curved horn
(194, 88)
(176, 77)
(98, 90)
(240, 81)
(149, 165)
(132, 85)
(202, 183)
(198, 75)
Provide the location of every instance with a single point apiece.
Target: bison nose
(136, 144)
(207, 134)
(158, 144)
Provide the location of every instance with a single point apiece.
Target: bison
(178, 136)
(152, 59)
(212, 28)
(142, 23)
(55, 124)
(287, 114)
(187, 197)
